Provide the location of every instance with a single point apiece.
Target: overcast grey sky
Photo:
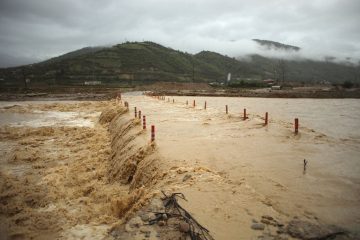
(34, 30)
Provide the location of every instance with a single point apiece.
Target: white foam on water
(45, 119)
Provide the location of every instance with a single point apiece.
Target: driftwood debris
(173, 210)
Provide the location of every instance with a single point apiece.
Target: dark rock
(268, 220)
(265, 221)
(306, 230)
(184, 227)
(258, 226)
(267, 217)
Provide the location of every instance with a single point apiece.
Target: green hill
(134, 63)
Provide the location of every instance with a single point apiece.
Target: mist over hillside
(267, 44)
(134, 63)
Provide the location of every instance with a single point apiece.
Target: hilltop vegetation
(134, 63)
(276, 45)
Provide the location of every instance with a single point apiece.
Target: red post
(205, 105)
(245, 114)
(144, 122)
(226, 109)
(152, 133)
(194, 103)
(135, 112)
(120, 96)
(266, 118)
(140, 115)
(296, 125)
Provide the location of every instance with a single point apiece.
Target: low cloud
(34, 30)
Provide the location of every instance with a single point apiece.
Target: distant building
(229, 77)
(214, 84)
(269, 82)
(275, 87)
(92, 83)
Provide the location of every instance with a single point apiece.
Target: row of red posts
(138, 115)
(266, 120)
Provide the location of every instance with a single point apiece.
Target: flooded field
(267, 161)
(62, 169)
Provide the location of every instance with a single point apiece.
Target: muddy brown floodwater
(67, 175)
(53, 171)
(259, 169)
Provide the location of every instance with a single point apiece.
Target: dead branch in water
(173, 209)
